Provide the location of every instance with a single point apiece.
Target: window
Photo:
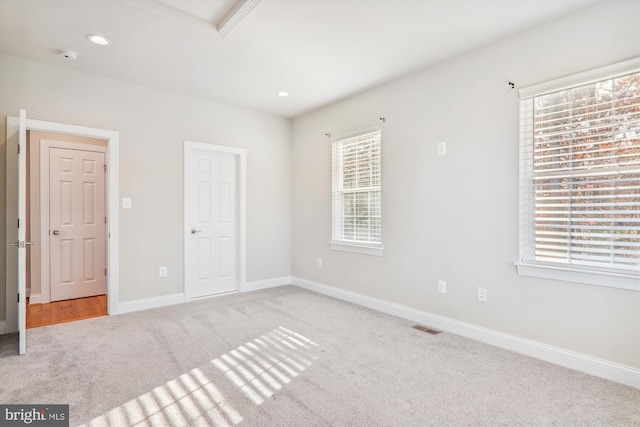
(356, 192)
(580, 178)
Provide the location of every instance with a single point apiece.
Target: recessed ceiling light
(98, 39)
(283, 93)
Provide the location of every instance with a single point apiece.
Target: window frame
(558, 271)
(345, 245)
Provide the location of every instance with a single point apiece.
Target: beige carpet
(290, 357)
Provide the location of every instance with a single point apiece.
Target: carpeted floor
(290, 357)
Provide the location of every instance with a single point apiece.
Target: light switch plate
(442, 148)
(126, 203)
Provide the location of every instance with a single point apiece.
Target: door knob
(55, 232)
(194, 231)
(21, 244)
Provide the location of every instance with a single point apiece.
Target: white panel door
(21, 243)
(212, 210)
(77, 223)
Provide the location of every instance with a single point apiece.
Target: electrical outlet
(442, 148)
(482, 294)
(442, 286)
(320, 263)
(162, 272)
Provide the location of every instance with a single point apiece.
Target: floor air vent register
(425, 329)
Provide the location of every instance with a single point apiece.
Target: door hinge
(18, 148)
(105, 271)
(18, 222)
(105, 168)
(105, 219)
(18, 298)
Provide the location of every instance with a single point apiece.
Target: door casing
(112, 138)
(240, 156)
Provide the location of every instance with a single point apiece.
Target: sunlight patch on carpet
(265, 364)
(258, 368)
(190, 397)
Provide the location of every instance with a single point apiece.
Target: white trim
(581, 362)
(624, 67)
(180, 298)
(356, 248)
(172, 14)
(3, 327)
(241, 157)
(11, 258)
(338, 243)
(590, 277)
(35, 299)
(358, 133)
(221, 294)
(235, 15)
(222, 28)
(149, 303)
(112, 138)
(256, 285)
(22, 233)
(528, 265)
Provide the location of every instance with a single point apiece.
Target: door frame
(240, 155)
(45, 238)
(112, 138)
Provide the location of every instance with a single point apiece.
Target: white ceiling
(319, 51)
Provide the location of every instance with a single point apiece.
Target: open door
(16, 213)
(20, 243)
(22, 233)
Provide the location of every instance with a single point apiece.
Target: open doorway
(67, 221)
(16, 264)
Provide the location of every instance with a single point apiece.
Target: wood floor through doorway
(65, 311)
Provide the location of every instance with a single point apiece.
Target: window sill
(610, 280)
(356, 248)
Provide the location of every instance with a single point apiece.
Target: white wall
(153, 125)
(456, 217)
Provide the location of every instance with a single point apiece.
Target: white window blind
(580, 179)
(356, 191)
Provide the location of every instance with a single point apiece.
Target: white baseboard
(35, 299)
(3, 327)
(179, 298)
(580, 362)
(148, 303)
(265, 284)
